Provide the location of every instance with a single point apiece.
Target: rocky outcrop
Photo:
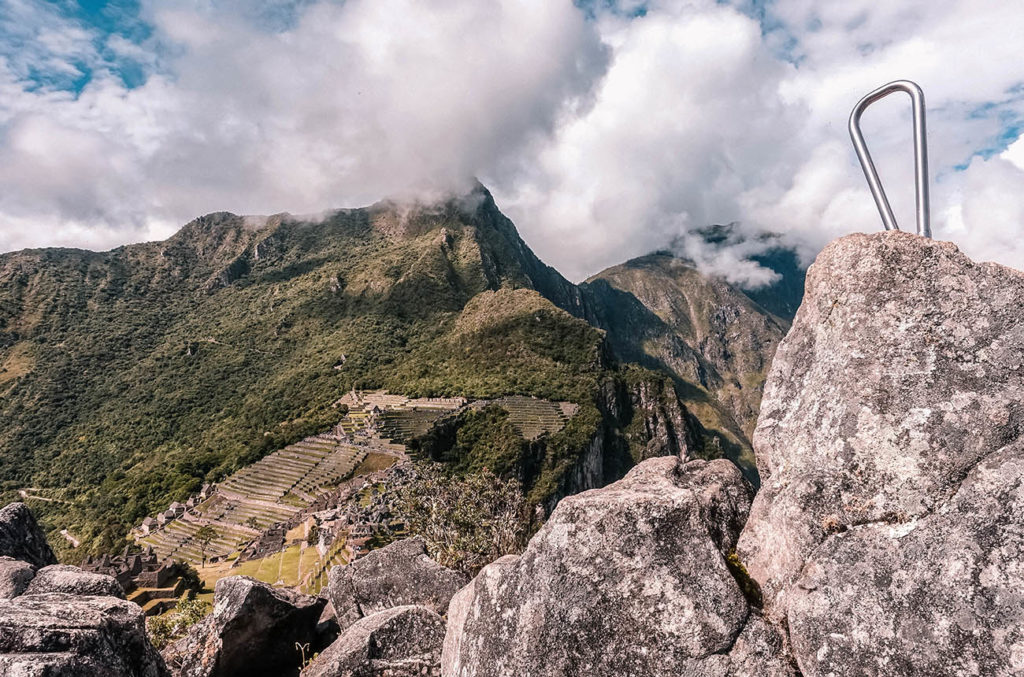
(64, 635)
(403, 641)
(635, 578)
(399, 574)
(21, 537)
(887, 534)
(253, 630)
(61, 621)
(15, 576)
(74, 581)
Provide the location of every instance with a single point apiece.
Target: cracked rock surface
(889, 527)
(628, 579)
(253, 630)
(403, 641)
(57, 634)
(902, 371)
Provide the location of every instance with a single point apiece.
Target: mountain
(130, 377)
(716, 342)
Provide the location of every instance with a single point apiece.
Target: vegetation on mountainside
(168, 627)
(129, 378)
(467, 521)
(134, 376)
(475, 441)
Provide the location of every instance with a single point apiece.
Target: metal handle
(920, 155)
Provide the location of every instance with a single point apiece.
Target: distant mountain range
(130, 377)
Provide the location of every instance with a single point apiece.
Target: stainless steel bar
(920, 155)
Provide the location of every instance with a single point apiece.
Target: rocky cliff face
(607, 587)
(661, 312)
(888, 531)
(700, 327)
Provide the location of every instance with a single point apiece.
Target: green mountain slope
(130, 377)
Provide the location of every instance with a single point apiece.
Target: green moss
(751, 589)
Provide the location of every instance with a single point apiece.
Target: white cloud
(602, 138)
(348, 104)
(705, 118)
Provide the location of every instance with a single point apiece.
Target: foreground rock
(889, 530)
(60, 634)
(400, 574)
(404, 641)
(21, 537)
(253, 630)
(74, 581)
(15, 576)
(629, 579)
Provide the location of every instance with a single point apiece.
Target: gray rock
(64, 635)
(939, 595)
(629, 579)
(399, 574)
(402, 641)
(74, 581)
(888, 535)
(903, 370)
(253, 630)
(21, 537)
(14, 577)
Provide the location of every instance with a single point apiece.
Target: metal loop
(920, 155)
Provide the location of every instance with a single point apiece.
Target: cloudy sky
(604, 128)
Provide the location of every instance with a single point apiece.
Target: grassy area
(290, 568)
(373, 463)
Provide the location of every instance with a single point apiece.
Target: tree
(203, 537)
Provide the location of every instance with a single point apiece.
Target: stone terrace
(532, 417)
(268, 492)
(274, 491)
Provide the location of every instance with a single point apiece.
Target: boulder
(903, 369)
(403, 641)
(74, 581)
(888, 535)
(636, 578)
(253, 630)
(74, 635)
(15, 576)
(21, 537)
(399, 574)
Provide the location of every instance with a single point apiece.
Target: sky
(604, 128)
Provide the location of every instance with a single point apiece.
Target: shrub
(173, 625)
(467, 522)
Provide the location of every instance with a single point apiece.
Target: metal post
(920, 155)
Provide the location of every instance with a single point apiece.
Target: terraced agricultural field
(404, 424)
(298, 566)
(276, 488)
(266, 493)
(532, 417)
